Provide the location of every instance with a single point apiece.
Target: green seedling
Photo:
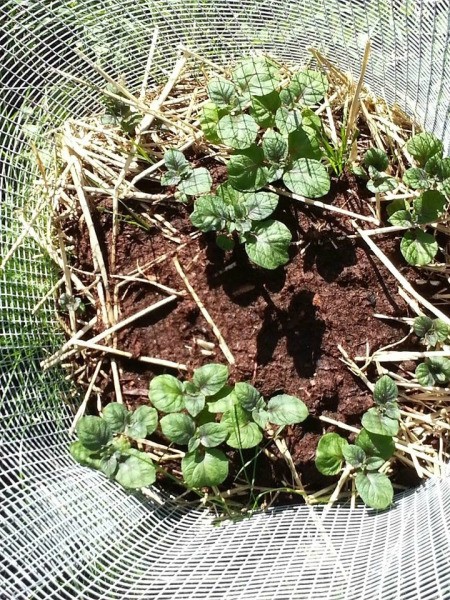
(244, 217)
(68, 303)
(432, 332)
(205, 412)
(377, 163)
(189, 181)
(104, 443)
(373, 447)
(119, 113)
(435, 371)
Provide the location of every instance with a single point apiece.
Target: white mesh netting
(67, 532)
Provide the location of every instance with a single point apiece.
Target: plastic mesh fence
(66, 532)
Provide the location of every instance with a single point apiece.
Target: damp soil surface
(283, 327)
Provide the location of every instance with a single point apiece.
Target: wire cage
(68, 532)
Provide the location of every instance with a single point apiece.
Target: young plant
(119, 113)
(104, 443)
(244, 217)
(377, 164)
(204, 413)
(189, 181)
(373, 447)
(432, 332)
(268, 129)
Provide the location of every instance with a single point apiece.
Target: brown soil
(283, 327)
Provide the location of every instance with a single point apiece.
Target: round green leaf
(146, 416)
(268, 243)
(246, 395)
(256, 75)
(308, 177)
(375, 490)
(137, 431)
(375, 422)
(438, 167)
(287, 121)
(416, 178)
(194, 400)
(198, 182)
(212, 434)
(246, 170)
(116, 415)
(210, 213)
(221, 92)
(243, 433)
(286, 410)
(396, 205)
(385, 390)
(354, 455)
(238, 131)
(373, 463)
(434, 371)
(263, 108)
(178, 428)
(109, 465)
(210, 379)
(209, 119)
(83, 456)
(207, 468)
(401, 218)
(260, 205)
(136, 471)
(376, 158)
(423, 146)
(431, 331)
(166, 393)
(429, 206)
(329, 453)
(93, 432)
(418, 247)
(376, 445)
(380, 183)
(274, 146)
(176, 162)
(391, 410)
(303, 143)
(223, 401)
(308, 86)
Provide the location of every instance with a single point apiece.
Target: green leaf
(434, 371)
(176, 162)
(307, 177)
(375, 422)
(256, 76)
(438, 167)
(308, 86)
(376, 445)
(354, 455)
(418, 247)
(287, 121)
(178, 428)
(401, 218)
(145, 416)
(238, 131)
(193, 444)
(385, 390)
(429, 206)
(116, 415)
(223, 401)
(208, 468)
(416, 178)
(246, 170)
(373, 463)
(244, 433)
(391, 410)
(423, 146)
(198, 182)
(194, 400)
(380, 183)
(329, 453)
(303, 144)
(286, 410)
(109, 465)
(274, 146)
(263, 108)
(209, 119)
(246, 395)
(224, 242)
(93, 432)
(136, 471)
(396, 205)
(166, 393)
(137, 431)
(260, 414)
(222, 92)
(376, 158)
(375, 490)
(83, 456)
(212, 434)
(260, 205)
(210, 213)
(210, 379)
(431, 331)
(268, 243)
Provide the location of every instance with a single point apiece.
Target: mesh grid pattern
(66, 532)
